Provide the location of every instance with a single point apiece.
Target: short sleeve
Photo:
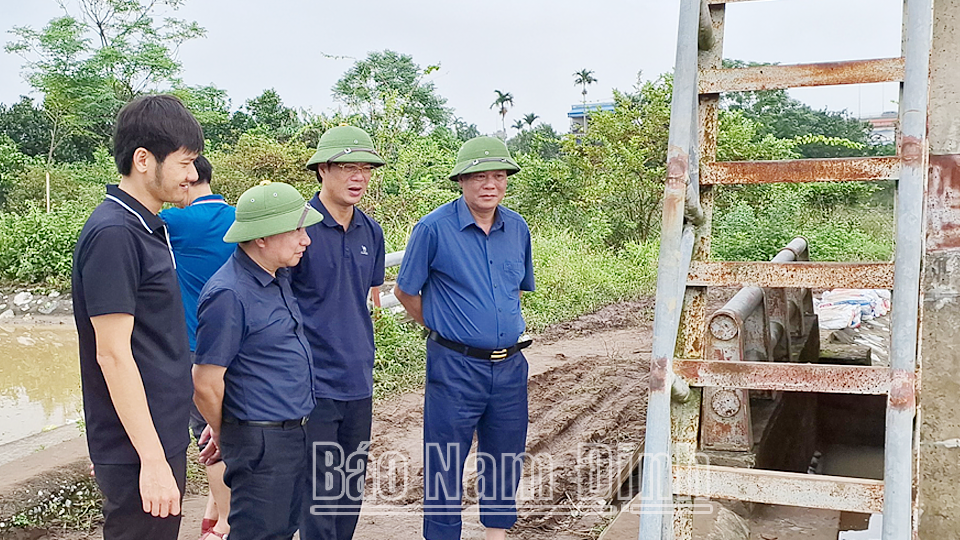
(220, 324)
(378, 265)
(416, 259)
(110, 272)
(527, 284)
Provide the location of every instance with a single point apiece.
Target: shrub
(37, 247)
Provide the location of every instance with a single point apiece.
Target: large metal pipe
(656, 519)
(901, 403)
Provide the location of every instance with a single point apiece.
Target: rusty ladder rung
(782, 488)
(801, 274)
(800, 170)
(714, 81)
(785, 377)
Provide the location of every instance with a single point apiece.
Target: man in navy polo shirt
(196, 228)
(462, 275)
(134, 354)
(344, 262)
(253, 377)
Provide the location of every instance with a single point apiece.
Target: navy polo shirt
(196, 234)
(332, 283)
(123, 264)
(250, 324)
(470, 281)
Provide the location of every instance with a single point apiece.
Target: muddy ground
(587, 396)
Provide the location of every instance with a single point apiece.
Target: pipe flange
(726, 403)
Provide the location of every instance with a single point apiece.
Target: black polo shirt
(124, 264)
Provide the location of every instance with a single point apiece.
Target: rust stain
(785, 376)
(903, 395)
(658, 374)
(910, 150)
(792, 274)
(677, 167)
(797, 75)
(943, 202)
(799, 170)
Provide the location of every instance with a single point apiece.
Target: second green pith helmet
(483, 154)
(268, 209)
(345, 144)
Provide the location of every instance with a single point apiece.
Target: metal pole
(901, 403)
(656, 519)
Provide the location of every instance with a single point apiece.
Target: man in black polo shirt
(134, 354)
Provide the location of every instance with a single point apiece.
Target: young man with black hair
(196, 228)
(134, 353)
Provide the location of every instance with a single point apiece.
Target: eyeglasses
(351, 169)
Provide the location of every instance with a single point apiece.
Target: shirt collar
(466, 219)
(208, 198)
(328, 220)
(262, 276)
(150, 221)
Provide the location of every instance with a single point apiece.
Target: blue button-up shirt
(331, 283)
(250, 324)
(470, 281)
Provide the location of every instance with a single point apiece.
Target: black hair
(317, 171)
(204, 170)
(158, 123)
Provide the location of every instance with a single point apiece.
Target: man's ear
(141, 160)
(260, 242)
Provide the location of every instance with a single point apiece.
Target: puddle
(39, 379)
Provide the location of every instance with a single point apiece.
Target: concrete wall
(939, 398)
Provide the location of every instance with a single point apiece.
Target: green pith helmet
(483, 154)
(268, 209)
(345, 144)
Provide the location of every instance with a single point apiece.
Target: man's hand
(211, 452)
(158, 489)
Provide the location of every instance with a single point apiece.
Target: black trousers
(124, 518)
(265, 475)
(338, 435)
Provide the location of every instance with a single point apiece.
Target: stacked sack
(847, 308)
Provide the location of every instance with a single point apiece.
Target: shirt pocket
(513, 272)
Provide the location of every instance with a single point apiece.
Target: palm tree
(583, 78)
(518, 125)
(503, 98)
(530, 119)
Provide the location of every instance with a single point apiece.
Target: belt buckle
(303, 421)
(498, 354)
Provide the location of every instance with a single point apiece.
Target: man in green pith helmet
(462, 275)
(343, 265)
(254, 371)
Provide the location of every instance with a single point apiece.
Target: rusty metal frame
(783, 488)
(800, 170)
(792, 274)
(785, 377)
(798, 75)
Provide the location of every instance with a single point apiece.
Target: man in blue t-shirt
(462, 275)
(343, 263)
(196, 228)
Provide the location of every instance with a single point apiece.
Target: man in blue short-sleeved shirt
(253, 377)
(462, 275)
(196, 228)
(342, 265)
(134, 355)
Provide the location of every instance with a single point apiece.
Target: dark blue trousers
(124, 518)
(338, 438)
(265, 475)
(466, 395)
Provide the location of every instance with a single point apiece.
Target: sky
(530, 48)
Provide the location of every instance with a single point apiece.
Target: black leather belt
(281, 424)
(495, 355)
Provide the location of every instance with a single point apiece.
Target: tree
(540, 141)
(503, 99)
(583, 78)
(388, 76)
(268, 113)
(211, 107)
(87, 66)
(28, 127)
(529, 119)
(518, 125)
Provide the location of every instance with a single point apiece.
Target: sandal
(214, 535)
(206, 525)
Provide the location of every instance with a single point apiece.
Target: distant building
(883, 127)
(578, 112)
